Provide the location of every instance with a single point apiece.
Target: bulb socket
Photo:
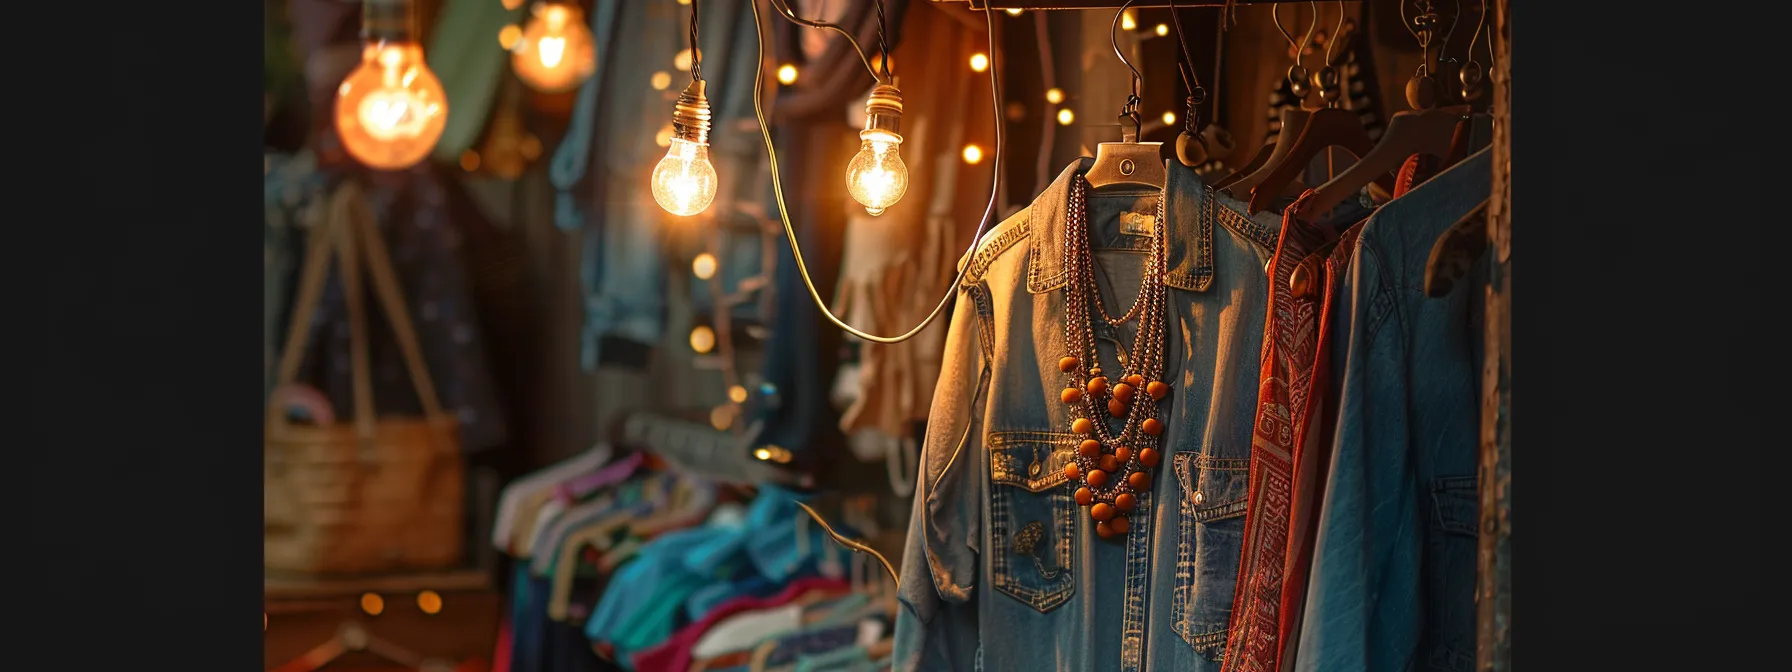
(883, 110)
(387, 21)
(690, 114)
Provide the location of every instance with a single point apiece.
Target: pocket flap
(1031, 460)
(1213, 488)
(1456, 504)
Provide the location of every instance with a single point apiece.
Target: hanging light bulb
(684, 182)
(390, 110)
(876, 176)
(556, 51)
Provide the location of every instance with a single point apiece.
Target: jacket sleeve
(936, 627)
(1363, 609)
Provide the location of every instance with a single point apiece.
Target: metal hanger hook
(1132, 100)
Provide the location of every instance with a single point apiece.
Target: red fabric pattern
(674, 655)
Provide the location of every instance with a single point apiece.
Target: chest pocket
(1212, 495)
(1032, 518)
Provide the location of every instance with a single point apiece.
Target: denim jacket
(1392, 586)
(998, 438)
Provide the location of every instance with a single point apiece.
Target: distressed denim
(998, 438)
(1392, 586)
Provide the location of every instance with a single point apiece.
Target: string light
(682, 59)
(1054, 95)
(979, 62)
(508, 36)
(390, 110)
(1169, 118)
(703, 339)
(1162, 30)
(372, 604)
(512, 4)
(429, 602)
(787, 74)
(684, 182)
(660, 80)
(973, 154)
(704, 266)
(556, 51)
(469, 160)
(1014, 11)
(1127, 22)
(876, 177)
(737, 394)
(721, 417)
(1065, 116)
(664, 137)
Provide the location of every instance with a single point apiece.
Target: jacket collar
(1190, 230)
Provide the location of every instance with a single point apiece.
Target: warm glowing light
(1127, 22)
(512, 4)
(469, 160)
(372, 604)
(429, 602)
(762, 453)
(721, 417)
(660, 80)
(973, 154)
(390, 110)
(1054, 95)
(876, 177)
(684, 2)
(508, 35)
(703, 339)
(264, 620)
(684, 182)
(737, 394)
(664, 137)
(1065, 116)
(1162, 30)
(1169, 118)
(530, 147)
(1014, 11)
(787, 74)
(979, 62)
(556, 52)
(682, 60)
(704, 266)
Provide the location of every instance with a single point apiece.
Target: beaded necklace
(1113, 467)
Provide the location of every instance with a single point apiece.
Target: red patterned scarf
(1292, 355)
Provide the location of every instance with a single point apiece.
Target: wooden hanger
(1436, 132)
(1456, 251)
(1294, 119)
(1326, 128)
(1128, 162)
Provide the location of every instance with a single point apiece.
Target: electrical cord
(778, 188)
(784, 10)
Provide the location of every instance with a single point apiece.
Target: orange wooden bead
(1124, 392)
(1090, 448)
(1084, 497)
(1140, 480)
(1098, 385)
(1109, 464)
(1119, 526)
(1071, 395)
(1149, 457)
(1102, 511)
(1082, 426)
(1157, 389)
(1151, 426)
(1123, 453)
(1105, 530)
(1073, 472)
(1125, 501)
(1116, 407)
(1135, 380)
(1096, 478)
(1069, 364)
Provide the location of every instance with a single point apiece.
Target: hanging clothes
(1000, 570)
(1392, 585)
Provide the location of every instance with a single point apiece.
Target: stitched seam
(988, 253)
(1243, 225)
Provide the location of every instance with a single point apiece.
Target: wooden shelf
(278, 587)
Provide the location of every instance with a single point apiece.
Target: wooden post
(1493, 592)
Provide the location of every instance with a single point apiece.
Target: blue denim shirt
(998, 438)
(1392, 586)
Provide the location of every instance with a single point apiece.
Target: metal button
(1033, 469)
(1198, 498)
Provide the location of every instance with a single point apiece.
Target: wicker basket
(378, 494)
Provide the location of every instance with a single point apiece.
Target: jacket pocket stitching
(1210, 642)
(1464, 488)
(1057, 582)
